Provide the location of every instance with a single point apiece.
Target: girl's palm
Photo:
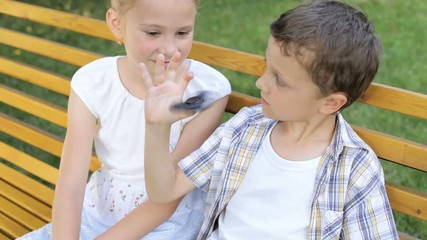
(166, 90)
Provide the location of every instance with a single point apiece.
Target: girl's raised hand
(165, 90)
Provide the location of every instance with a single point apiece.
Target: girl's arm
(73, 170)
(141, 221)
(149, 215)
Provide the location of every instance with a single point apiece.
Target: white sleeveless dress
(119, 185)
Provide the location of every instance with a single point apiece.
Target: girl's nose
(169, 47)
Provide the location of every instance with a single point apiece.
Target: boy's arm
(371, 217)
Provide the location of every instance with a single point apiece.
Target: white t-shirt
(273, 201)
(118, 187)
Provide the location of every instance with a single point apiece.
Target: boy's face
(287, 91)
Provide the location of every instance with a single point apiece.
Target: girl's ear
(333, 103)
(114, 23)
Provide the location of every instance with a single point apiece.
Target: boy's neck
(303, 140)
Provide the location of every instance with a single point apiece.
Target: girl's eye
(182, 33)
(152, 33)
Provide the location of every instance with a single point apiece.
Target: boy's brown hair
(345, 51)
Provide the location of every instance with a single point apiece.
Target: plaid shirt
(350, 200)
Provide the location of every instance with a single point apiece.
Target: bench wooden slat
(28, 185)
(408, 201)
(30, 135)
(11, 228)
(27, 202)
(396, 99)
(19, 215)
(86, 25)
(37, 138)
(30, 104)
(29, 163)
(404, 236)
(228, 58)
(3, 236)
(36, 76)
(395, 149)
(237, 100)
(46, 48)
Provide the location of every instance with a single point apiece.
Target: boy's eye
(279, 82)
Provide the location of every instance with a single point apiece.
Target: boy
(292, 167)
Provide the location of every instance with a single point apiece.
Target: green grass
(243, 25)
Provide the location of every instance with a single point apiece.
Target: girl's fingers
(159, 71)
(171, 73)
(187, 76)
(145, 76)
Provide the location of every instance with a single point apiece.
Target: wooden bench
(33, 98)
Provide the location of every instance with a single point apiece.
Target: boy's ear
(333, 103)
(114, 23)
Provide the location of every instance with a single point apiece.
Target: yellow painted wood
(77, 23)
(19, 215)
(3, 236)
(37, 137)
(36, 76)
(25, 201)
(46, 48)
(30, 135)
(34, 106)
(228, 58)
(26, 184)
(237, 100)
(404, 236)
(395, 149)
(407, 201)
(396, 99)
(11, 228)
(28, 163)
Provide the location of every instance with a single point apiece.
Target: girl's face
(151, 27)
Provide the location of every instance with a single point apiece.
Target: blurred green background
(243, 25)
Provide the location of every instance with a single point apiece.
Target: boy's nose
(259, 82)
(262, 85)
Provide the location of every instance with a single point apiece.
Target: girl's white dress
(119, 185)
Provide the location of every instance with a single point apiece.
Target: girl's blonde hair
(122, 6)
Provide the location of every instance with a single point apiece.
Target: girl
(106, 106)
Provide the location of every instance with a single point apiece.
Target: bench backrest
(29, 124)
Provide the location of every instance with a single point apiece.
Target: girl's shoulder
(205, 72)
(97, 83)
(99, 66)
(207, 78)
(101, 72)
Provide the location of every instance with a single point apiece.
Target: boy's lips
(264, 102)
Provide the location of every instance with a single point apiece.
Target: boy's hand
(165, 90)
